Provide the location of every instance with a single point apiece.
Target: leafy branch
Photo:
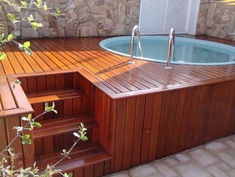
(31, 123)
(26, 17)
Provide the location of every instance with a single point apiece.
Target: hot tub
(187, 50)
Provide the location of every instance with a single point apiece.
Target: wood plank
(89, 171)
(148, 116)
(11, 122)
(120, 124)
(129, 132)
(138, 128)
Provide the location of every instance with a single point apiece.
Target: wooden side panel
(11, 122)
(3, 135)
(156, 125)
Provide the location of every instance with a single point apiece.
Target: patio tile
(143, 170)
(216, 171)
(157, 174)
(231, 173)
(227, 158)
(215, 146)
(223, 166)
(171, 161)
(230, 143)
(192, 170)
(182, 157)
(203, 157)
(215, 159)
(165, 170)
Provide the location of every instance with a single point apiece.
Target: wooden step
(80, 156)
(55, 95)
(63, 125)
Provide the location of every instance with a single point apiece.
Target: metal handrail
(171, 48)
(137, 31)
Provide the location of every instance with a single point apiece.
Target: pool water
(187, 51)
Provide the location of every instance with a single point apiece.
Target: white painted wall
(158, 16)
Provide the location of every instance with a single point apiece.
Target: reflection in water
(188, 52)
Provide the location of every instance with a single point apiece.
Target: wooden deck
(109, 72)
(135, 113)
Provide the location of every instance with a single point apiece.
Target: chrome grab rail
(171, 48)
(137, 31)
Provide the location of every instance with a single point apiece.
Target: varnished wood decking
(109, 72)
(141, 112)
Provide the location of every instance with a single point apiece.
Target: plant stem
(13, 140)
(74, 144)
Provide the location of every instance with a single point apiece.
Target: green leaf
(82, 125)
(45, 6)
(2, 36)
(2, 56)
(24, 118)
(26, 136)
(26, 139)
(25, 47)
(26, 44)
(11, 17)
(84, 138)
(24, 3)
(28, 51)
(38, 4)
(18, 128)
(50, 108)
(37, 124)
(76, 134)
(36, 25)
(10, 37)
(17, 81)
(10, 149)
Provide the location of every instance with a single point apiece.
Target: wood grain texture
(142, 111)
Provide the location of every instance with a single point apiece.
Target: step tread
(80, 156)
(63, 125)
(55, 95)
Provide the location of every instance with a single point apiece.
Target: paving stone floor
(215, 159)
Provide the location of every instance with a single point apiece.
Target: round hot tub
(187, 50)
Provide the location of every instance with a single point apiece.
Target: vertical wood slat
(138, 128)
(129, 132)
(3, 135)
(78, 172)
(148, 115)
(29, 149)
(155, 126)
(120, 124)
(89, 171)
(11, 122)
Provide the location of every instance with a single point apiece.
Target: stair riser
(50, 82)
(67, 107)
(57, 143)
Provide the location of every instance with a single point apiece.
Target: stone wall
(84, 18)
(216, 19)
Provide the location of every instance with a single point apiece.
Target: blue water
(187, 51)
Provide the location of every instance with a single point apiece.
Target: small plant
(7, 170)
(22, 13)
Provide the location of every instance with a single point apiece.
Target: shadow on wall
(217, 19)
(83, 18)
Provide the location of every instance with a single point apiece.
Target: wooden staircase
(73, 106)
